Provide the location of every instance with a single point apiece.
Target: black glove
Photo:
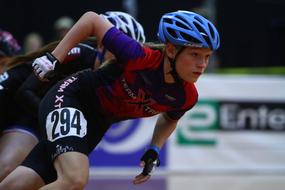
(151, 160)
(56, 64)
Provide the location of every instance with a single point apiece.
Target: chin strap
(173, 71)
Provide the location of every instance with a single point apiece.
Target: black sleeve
(10, 81)
(29, 95)
(80, 57)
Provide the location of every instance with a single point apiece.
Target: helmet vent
(123, 19)
(181, 25)
(112, 21)
(203, 33)
(198, 19)
(199, 28)
(211, 30)
(181, 19)
(172, 32)
(168, 20)
(189, 38)
(135, 26)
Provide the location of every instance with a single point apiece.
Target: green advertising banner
(238, 125)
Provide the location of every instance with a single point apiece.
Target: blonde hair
(155, 45)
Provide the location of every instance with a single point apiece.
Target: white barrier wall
(238, 125)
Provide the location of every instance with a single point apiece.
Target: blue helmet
(185, 28)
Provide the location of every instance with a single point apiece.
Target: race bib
(65, 122)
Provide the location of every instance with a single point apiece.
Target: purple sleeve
(121, 45)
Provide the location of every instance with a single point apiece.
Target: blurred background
(234, 138)
(252, 31)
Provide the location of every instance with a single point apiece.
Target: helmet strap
(173, 71)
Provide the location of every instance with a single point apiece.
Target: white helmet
(127, 24)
